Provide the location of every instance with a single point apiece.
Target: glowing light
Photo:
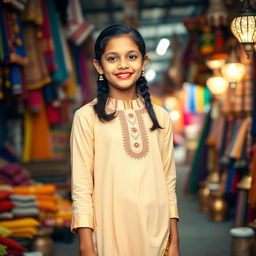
(162, 46)
(175, 115)
(150, 75)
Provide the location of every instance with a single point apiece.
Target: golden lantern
(216, 61)
(244, 27)
(217, 84)
(233, 71)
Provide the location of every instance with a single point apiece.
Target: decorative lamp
(217, 13)
(216, 61)
(217, 84)
(233, 71)
(244, 27)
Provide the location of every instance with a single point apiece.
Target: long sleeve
(82, 165)
(169, 166)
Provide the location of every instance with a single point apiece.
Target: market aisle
(198, 236)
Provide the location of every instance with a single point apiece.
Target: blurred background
(201, 70)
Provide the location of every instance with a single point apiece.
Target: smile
(125, 75)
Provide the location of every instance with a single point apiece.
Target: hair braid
(142, 87)
(102, 97)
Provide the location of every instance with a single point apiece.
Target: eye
(111, 58)
(132, 57)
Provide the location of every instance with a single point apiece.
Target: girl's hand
(174, 249)
(87, 253)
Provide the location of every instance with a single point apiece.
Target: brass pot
(242, 239)
(203, 195)
(218, 207)
(43, 242)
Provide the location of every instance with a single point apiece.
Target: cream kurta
(123, 179)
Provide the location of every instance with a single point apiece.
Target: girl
(123, 170)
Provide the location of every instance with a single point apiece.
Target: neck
(125, 95)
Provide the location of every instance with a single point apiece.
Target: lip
(123, 75)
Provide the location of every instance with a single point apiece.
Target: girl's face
(121, 64)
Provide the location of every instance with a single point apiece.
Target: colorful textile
(10, 243)
(3, 250)
(16, 79)
(47, 39)
(34, 100)
(41, 147)
(4, 194)
(26, 232)
(5, 232)
(252, 192)
(19, 223)
(6, 216)
(33, 12)
(11, 252)
(35, 73)
(77, 28)
(38, 189)
(6, 205)
(60, 75)
(26, 156)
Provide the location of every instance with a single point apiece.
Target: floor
(198, 235)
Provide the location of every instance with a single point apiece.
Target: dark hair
(102, 85)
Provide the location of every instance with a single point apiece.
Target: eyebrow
(118, 53)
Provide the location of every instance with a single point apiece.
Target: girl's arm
(174, 239)
(86, 242)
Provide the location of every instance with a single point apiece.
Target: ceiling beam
(142, 6)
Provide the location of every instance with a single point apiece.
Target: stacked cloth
(10, 247)
(25, 206)
(21, 228)
(13, 175)
(6, 205)
(44, 195)
(61, 218)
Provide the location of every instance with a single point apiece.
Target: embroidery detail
(135, 140)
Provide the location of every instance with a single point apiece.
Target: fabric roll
(38, 190)
(11, 244)
(6, 216)
(22, 198)
(25, 212)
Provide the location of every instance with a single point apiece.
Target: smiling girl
(123, 169)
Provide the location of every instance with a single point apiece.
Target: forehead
(122, 43)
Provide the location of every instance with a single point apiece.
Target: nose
(123, 64)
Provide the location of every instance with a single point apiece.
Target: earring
(101, 78)
(142, 73)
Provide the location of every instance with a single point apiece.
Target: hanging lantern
(217, 84)
(233, 71)
(244, 27)
(216, 61)
(217, 13)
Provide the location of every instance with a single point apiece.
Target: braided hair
(102, 85)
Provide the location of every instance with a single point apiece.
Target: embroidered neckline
(116, 104)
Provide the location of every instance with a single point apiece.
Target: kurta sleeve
(82, 165)
(169, 166)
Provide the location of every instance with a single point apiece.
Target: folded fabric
(24, 222)
(5, 232)
(23, 212)
(11, 169)
(47, 197)
(24, 232)
(4, 194)
(10, 243)
(3, 250)
(6, 187)
(11, 252)
(47, 206)
(6, 215)
(22, 198)
(25, 204)
(6, 205)
(5, 179)
(21, 178)
(33, 254)
(38, 189)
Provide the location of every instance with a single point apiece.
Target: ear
(98, 66)
(145, 61)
